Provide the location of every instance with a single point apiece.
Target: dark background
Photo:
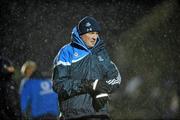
(142, 38)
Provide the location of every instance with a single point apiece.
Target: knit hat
(88, 24)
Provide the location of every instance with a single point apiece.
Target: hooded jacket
(74, 64)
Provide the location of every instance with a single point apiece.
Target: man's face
(90, 38)
(29, 71)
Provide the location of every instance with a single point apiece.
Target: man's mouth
(93, 39)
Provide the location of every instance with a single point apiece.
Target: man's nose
(94, 37)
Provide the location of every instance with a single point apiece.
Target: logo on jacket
(76, 54)
(100, 58)
(45, 88)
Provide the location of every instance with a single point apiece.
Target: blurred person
(9, 102)
(38, 100)
(84, 74)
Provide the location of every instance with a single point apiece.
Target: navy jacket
(75, 63)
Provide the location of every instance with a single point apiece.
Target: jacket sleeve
(112, 76)
(25, 97)
(62, 82)
(64, 85)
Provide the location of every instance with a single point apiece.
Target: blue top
(39, 95)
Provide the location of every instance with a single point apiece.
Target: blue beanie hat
(88, 24)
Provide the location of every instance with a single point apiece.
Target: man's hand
(96, 86)
(99, 101)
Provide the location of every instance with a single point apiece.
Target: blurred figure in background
(9, 102)
(37, 95)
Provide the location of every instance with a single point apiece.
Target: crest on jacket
(76, 54)
(100, 58)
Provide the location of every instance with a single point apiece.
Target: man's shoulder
(34, 81)
(66, 49)
(64, 55)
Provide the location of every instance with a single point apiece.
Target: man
(38, 100)
(84, 75)
(9, 102)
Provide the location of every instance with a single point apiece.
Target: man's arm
(25, 98)
(112, 78)
(107, 85)
(65, 86)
